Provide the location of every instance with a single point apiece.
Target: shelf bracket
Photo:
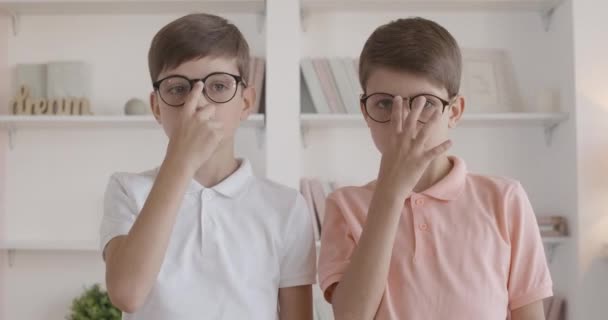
(260, 136)
(11, 257)
(304, 19)
(550, 251)
(15, 19)
(549, 130)
(304, 131)
(12, 132)
(547, 13)
(261, 19)
(546, 18)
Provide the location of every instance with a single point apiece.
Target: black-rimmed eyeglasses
(379, 106)
(218, 87)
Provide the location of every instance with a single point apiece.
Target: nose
(202, 100)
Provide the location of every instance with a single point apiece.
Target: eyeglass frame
(364, 97)
(237, 78)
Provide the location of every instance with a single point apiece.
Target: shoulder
(492, 185)
(351, 202)
(503, 195)
(135, 185)
(350, 194)
(273, 195)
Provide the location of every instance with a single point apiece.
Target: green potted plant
(94, 304)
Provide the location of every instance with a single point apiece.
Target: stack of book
(553, 226)
(315, 192)
(333, 84)
(257, 70)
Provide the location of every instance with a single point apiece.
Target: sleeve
(299, 253)
(337, 246)
(119, 212)
(529, 276)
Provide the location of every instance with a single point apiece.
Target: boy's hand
(196, 135)
(407, 156)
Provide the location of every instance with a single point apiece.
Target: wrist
(178, 163)
(391, 191)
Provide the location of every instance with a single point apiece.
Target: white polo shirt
(232, 247)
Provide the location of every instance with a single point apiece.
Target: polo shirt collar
(452, 184)
(233, 184)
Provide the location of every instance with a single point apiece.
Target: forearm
(532, 311)
(295, 303)
(360, 290)
(135, 262)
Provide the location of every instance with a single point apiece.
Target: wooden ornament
(84, 107)
(23, 104)
(54, 105)
(65, 107)
(18, 105)
(40, 107)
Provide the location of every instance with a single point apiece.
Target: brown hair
(415, 45)
(197, 36)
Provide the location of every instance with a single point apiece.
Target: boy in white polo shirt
(201, 237)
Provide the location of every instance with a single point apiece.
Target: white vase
(136, 107)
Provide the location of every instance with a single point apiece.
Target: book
(552, 226)
(343, 83)
(328, 85)
(353, 76)
(260, 71)
(314, 87)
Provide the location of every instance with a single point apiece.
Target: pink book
(319, 197)
(329, 87)
(260, 70)
(305, 190)
(251, 71)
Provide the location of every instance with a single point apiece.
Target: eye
(384, 104)
(178, 90)
(218, 87)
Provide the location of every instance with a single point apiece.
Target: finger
(411, 121)
(397, 114)
(429, 126)
(215, 125)
(206, 113)
(193, 97)
(438, 150)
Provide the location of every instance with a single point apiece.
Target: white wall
(591, 69)
(55, 178)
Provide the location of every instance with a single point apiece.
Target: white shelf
(96, 122)
(40, 245)
(541, 6)
(469, 120)
(63, 7)
(547, 121)
(555, 240)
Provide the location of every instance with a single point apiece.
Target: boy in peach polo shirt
(427, 239)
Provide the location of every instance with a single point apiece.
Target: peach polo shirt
(468, 247)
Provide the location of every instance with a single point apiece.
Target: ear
(455, 111)
(249, 98)
(154, 106)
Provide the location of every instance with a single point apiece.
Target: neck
(220, 166)
(437, 170)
